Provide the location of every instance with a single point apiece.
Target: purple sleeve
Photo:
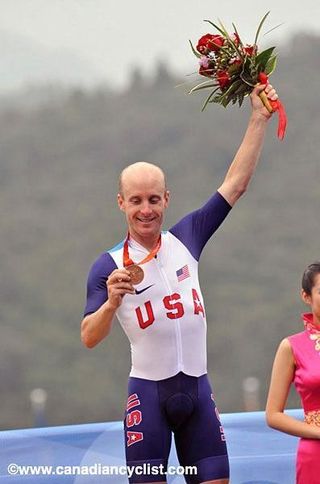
(97, 292)
(196, 228)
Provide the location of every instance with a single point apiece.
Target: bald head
(143, 198)
(138, 171)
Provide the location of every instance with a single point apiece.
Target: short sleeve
(196, 228)
(97, 292)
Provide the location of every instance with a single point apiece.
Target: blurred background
(86, 88)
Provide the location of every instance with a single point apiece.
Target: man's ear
(166, 198)
(120, 202)
(305, 297)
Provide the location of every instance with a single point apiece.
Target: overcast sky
(110, 37)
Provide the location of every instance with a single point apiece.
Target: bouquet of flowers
(233, 69)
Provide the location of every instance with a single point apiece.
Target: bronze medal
(135, 269)
(136, 273)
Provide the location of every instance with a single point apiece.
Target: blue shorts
(185, 406)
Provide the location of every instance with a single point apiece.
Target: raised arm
(247, 156)
(196, 228)
(281, 379)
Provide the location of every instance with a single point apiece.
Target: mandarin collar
(309, 323)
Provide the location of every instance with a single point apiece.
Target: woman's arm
(281, 379)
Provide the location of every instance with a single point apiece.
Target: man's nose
(146, 209)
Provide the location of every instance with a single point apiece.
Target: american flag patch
(183, 273)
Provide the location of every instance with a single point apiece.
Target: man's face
(144, 200)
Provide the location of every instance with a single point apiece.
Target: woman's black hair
(309, 276)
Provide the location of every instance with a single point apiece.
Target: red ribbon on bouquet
(275, 106)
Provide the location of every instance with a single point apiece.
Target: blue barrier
(258, 455)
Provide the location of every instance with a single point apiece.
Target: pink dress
(306, 351)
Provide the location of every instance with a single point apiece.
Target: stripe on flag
(183, 273)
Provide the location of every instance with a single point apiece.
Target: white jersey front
(165, 319)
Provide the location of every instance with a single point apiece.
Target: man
(150, 282)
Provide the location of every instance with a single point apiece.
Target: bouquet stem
(266, 102)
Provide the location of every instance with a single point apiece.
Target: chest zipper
(176, 320)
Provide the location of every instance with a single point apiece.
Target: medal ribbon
(127, 261)
(276, 106)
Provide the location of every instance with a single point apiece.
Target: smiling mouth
(146, 221)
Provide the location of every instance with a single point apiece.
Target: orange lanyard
(127, 261)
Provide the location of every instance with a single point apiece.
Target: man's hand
(257, 105)
(118, 284)
(96, 326)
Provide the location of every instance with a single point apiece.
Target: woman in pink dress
(298, 360)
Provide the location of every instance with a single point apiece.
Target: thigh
(308, 463)
(201, 441)
(147, 434)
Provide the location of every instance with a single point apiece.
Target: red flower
(209, 43)
(223, 79)
(250, 50)
(205, 71)
(235, 39)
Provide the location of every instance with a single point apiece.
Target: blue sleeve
(196, 228)
(97, 292)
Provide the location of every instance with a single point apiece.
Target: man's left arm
(244, 163)
(195, 229)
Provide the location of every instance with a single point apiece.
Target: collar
(309, 323)
(135, 245)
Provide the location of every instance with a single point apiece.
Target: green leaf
(263, 58)
(235, 69)
(227, 96)
(244, 89)
(216, 99)
(247, 79)
(194, 50)
(225, 34)
(260, 27)
(271, 65)
(225, 101)
(209, 99)
(192, 74)
(223, 28)
(203, 85)
(273, 28)
(231, 41)
(246, 74)
(226, 92)
(241, 98)
(236, 32)
(216, 27)
(233, 88)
